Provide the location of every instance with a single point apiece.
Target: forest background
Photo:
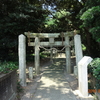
(48, 16)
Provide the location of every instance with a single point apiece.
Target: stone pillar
(67, 51)
(22, 59)
(78, 49)
(51, 55)
(51, 41)
(31, 73)
(37, 56)
(83, 75)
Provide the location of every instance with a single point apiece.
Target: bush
(6, 67)
(94, 69)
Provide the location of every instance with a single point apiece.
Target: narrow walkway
(53, 86)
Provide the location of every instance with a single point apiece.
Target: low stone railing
(8, 84)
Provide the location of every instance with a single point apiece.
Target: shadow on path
(53, 84)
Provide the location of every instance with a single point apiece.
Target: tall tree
(70, 6)
(17, 17)
(90, 16)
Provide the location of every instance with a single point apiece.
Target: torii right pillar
(67, 51)
(37, 59)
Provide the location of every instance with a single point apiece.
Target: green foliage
(50, 25)
(23, 17)
(6, 67)
(17, 17)
(19, 87)
(91, 20)
(63, 20)
(20, 90)
(94, 69)
(91, 13)
(42, 55)
(64, 14)
(90, 27)
(96, 33)
(83, 47)
(59, 22)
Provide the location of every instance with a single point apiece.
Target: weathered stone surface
(82, 75)
(31, 73)
(78, 50)
(22, 59)
(37, 56)
(8, 85)
(67, 51)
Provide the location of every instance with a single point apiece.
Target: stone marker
(78, 50)
(75, 70)
(37, 56)
(22, 59)
(83, 75)
(31, 73)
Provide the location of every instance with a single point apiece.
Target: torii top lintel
(49, 35)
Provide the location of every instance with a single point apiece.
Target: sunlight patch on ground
(48, 82)
(61, 55)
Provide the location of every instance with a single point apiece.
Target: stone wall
(8, 84)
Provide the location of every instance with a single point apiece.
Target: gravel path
(52, 84)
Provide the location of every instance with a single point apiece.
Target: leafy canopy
(91, 20)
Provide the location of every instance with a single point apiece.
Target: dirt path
(32, 85)
(53, 85)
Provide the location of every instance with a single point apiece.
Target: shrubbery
(94, 69)
(6, 67)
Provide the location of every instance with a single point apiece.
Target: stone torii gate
(51, 43)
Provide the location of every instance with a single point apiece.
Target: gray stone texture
(37, 56)
(53, 86)
(22, 59)
(83, 75)
(78, 50)
(67, 51)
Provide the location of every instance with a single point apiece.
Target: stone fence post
(83, 75)
(31, 73)
(22, 59)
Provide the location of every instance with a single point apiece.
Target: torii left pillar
(22, 59)
(37, 59)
